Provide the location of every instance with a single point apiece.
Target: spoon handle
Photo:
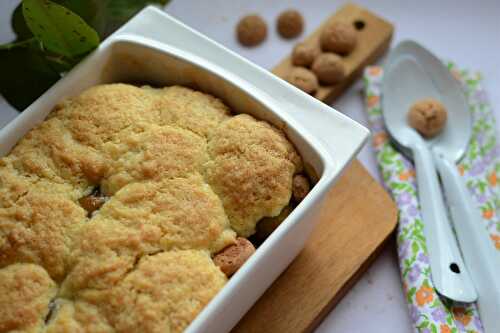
(448, 272)
(480, 256)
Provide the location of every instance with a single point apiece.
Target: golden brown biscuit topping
(25, 293)
(251, 170)
(121, 197)
(40, 229)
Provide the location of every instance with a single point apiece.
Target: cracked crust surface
(152, 298)
(159, 152)
(77, 317)
(39, 229)
(185, 211)
(181, 176)
(251, 169)
(150, 295)
(48, 159)
(25, 293)
(100, 113)
(190, 110)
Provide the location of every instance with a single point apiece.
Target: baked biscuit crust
(251, 169)
(40, 229)
(25, 293)
(180, 178)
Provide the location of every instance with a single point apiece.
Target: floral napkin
(481, 169)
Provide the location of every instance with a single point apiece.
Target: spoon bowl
(430, 79)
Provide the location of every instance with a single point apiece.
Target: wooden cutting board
(373, 38)
(354, 225)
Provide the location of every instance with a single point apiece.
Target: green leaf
(105, 16)
(25, 43)
(19, 25)
(386, 159)
(414, 247)
(407, 262)
(91, 11)
(25, 75)
(60, 63)
(53, 36)
(411, 292)
(419, 237)
(422, 325)
(120, 11)
(58, 29)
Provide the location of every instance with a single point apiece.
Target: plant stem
(12, 45)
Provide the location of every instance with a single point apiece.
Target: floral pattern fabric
(481, 169)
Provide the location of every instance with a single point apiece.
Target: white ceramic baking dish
(155, 48)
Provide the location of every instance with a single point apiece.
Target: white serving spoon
(481, 258)
(406, 82)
